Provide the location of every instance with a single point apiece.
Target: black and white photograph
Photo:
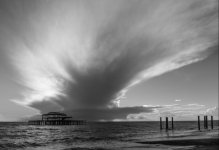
(109, 75)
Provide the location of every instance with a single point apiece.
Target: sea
(93, 135)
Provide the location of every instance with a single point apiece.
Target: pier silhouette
(56, 118)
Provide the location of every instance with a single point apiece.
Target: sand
(199, 140)
(203, 141)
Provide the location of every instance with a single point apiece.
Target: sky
(106, 60)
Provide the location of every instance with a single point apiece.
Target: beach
(108, 136)
(204, 140)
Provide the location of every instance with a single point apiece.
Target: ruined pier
(56, 118)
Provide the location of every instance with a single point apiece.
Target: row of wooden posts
(206, 122)
(167, 123)
(199, 126)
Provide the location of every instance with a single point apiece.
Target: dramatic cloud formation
(83, 56)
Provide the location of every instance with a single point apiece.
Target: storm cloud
(81, 57)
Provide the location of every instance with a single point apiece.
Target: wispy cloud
(179, 112)
(86, 55)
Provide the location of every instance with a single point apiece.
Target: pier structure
(56, 118)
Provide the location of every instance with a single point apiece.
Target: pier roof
(55, 113)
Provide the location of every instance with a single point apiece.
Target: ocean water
(93, 135)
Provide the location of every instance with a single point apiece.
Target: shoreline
(185, 142)
(201, 139)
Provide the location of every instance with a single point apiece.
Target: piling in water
(167, 123)
(172, 124)
(199, 123)
(212, 123)
(206, 122)
(161, 127)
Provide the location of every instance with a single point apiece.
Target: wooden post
(206, 122)
(212, 122)
(167, 123)
(161, 123)
(172, 124)
(199, 123)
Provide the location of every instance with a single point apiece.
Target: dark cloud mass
(81, 57)
(110, 113)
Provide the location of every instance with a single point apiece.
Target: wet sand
(202, 140)
(186, 142)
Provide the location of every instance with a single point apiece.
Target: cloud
(109, 113)
(177, 100)
(179, 112)
(87, 55)
(95, 114)
(212, 111)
